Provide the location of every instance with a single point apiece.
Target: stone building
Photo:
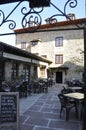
(60, 42)
(18, 64)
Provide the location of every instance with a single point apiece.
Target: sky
(79, 11)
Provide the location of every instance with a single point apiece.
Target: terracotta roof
(58, 24)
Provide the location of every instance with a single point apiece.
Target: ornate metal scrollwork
(31, 19)
(71, 3)
(4, 19)
(33, 16)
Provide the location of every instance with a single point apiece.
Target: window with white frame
(23, 45)
(59, 59)
(59, 41)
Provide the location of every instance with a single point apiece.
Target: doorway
(58, 77)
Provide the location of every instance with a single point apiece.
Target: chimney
(31, 24)
(71, 16)
(50, 20)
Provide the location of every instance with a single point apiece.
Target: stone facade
(19, 65)
(31, 74)
(72, 50)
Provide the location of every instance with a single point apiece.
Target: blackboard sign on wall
(9, 109)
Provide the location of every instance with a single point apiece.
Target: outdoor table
(78, 98)
(76, 88)
(75, 95)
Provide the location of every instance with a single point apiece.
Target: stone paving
(41, 112)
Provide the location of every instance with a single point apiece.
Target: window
(26, 72)
(15, 68)
(58, 41)
(35, 72)
(58, 59)
(23, 45)
(42, 71)
(35, 69)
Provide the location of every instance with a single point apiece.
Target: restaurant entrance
(58, 77)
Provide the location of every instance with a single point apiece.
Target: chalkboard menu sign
(9, 111)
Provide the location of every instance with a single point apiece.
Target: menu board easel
(9, 110)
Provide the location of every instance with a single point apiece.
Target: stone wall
(73, 45)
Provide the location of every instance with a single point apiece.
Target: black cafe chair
(68, 90)
(67, 105)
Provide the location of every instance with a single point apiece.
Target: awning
(59, 67)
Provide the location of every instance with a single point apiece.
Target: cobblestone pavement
(43, 113)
